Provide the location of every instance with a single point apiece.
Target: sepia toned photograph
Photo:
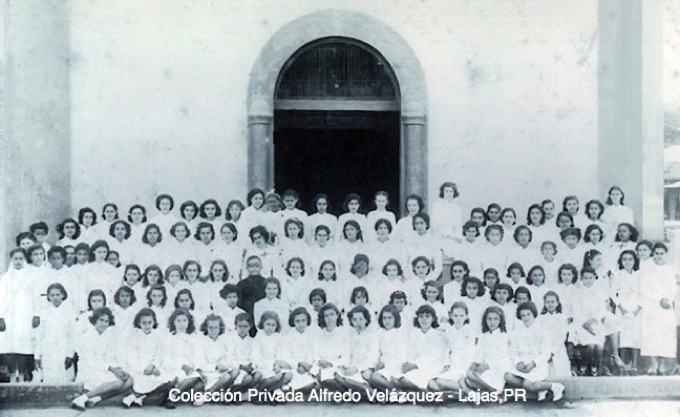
(340, 208)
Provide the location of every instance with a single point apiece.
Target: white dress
(495, 256)
(266, 351)
(471, 253)
(179, 350)
(461, 347)
(428, 350)
(381, 252)
(393, 349)
(239, 352)
(164, 222)
(102, 276)
(658, 324)
(145, 255)
(587, 304)
(299, 347)
(316, 220)
(228, 314)
(334, 347)
(19, 302)
(96, 353)
(557, 328)
(141, 351)
(493, 348)
(372, 217)
(214, 354)
(71, 283)
(429, 246)
(626, 287)
(344, 218)
(54, 343)
(446, 219)
(364, 353)
(175, 252)
(295, 291)
(613, 216)
(123, 248)
(277, 305)
(232, 255)
(404, 229)
(529, 344)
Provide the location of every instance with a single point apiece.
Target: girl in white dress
(181, 246)
(570, 205)
(99, 274)
(556, 324)
(589, 310)
(494, 253)
(109, 215)
(210, 212)
(626, 283)
(391, 280)
(267, 354)
(69, 233)
(253, 214)
(352, 207)
(87, 221)
(232, 214)
(530, 351)
(461, 351)
(230, 250)
(259, 236)
(453, 289)
(239, 351)
(295, 283)
(179, 351)
(185, 300)
(164, 219)
(470, 249)
(143, 356)
(502, 296)
(204, 246)
(493, 214)
(391, 347)
(271, 302)
(298, 350)
(173, 280)
(152, 275)
(124, 310)
(54, 350)
(658, 290)
(60, 273)
(473, 296)
(492, 353)
(446, 215)
(188, 212)
(199, 289)
(385, 247)
(432, 294)
(363, 358)
(137, 221)
(328, 281)
(536, 222)
(291, 210)
(321, 204)
(99, 365)
(550, 262)
(626, 239)
(292, 244)
(218, 277)
(151, 251)
(157, 300)
(491, 279)
(352, 244)
(227, 307)
(216, 364)
(404, 229)
(509, 220)
(537, 286)
(321, 250)
(428, 351)
(118, 239)
(331, 346)
(19, 315)
(425, 243)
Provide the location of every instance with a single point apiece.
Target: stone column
(630, 107)
(260, 146)
(413, 151)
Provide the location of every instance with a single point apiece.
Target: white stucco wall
(158, 95)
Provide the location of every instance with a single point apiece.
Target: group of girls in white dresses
(268, 296)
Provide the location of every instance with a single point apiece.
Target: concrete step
(32, 395)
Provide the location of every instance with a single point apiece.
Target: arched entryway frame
(338, 23)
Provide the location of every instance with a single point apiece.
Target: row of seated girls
(277, 299)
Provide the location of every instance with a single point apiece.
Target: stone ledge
(29, 395)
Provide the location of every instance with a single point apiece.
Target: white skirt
(421, 377)
(143, 384)
(539, 373)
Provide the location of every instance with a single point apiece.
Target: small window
(337, 69)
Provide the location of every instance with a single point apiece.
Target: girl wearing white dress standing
(556, 324)
(210, 212)
(589, 310)
(232, 214)
(54, 350)
(99, 364)
(391, 348)
(144, 349)
(626, 284)
(658, 290)
(427, 352)
(461, 351)
(447, 219)
(530, 351)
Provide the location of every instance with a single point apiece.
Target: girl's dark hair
(58, 286)
(426, 309)
(540, 209)
(213, 317)
(186, 204)
(634, 234)
(319, 197)
(491, 227)
(532, 270)
(398, 295)
(480, 211)
(571, 231)
(494, 310)
(516, 265)
(566, 215)
(502, 286)
(359, 257)
(145, 275)
(221, 262)
(85, 210)
(203, 225)
(329, 306)
(567, 267)
(136, 206)
(609, 199)
(549, 243)
(509, 210)
(461, 306)
(296, 312)
(191, 328)
(230, 289)
(252, 193)
(161, 289)
(424, 217)
(103, 311)
(232, 227)
(261, 230)
(636, 259)
(527, 306)
(116, 296)
(349, 198)
(191, 297)
(355, 225)
(60, 228)
(660, 245)
(269, 315)
(297, 222)
(274, 281)
(125, 224)
(463, 264)
(95, 293)
(148, 228)
(568, 199)
(201, 208)
(244, 317)
(434, 284)
(589, 229)
(96, 245)
(557, 297)
(298, 260)
(276, 197)
(400, 270)
(328, 262)
(419, 199)
(359, 310)
(518, 229)
(190, 262)
(448, 184)
(385, 222)
(29, 252)
(468, 280)
(173, 268)
(232, 203)
(318, 292)
(173, 229)
(597, 203)
(145, 312)
(588, 270)
(469, 225)
(355, 293)
(522, 290)
(589, 255)
(56, 249)
(322, 227)
(394, 312)
(164, 196)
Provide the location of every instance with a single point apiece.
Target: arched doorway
(336, 123)
(365, 30)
